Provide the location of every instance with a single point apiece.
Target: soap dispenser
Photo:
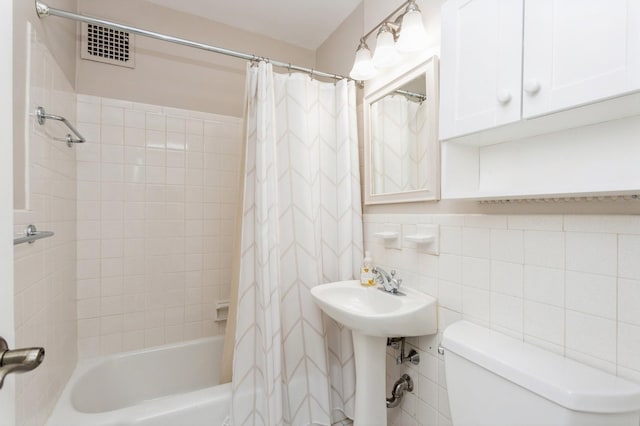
(366, 273)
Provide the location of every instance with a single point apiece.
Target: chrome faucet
(390, 283)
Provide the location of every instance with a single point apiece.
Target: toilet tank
(493, 379)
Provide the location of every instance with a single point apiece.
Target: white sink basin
(373, 315)
(374, 312)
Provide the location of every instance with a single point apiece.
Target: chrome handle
(18, 360)
(31, 234)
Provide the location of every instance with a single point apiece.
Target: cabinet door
(579, 51)
(481, 65)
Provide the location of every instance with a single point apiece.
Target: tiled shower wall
(569, 284)
(45, 272)
(158, 190)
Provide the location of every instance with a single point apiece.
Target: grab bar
(31, 234)
(43, 117)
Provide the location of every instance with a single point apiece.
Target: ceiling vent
(108, 45)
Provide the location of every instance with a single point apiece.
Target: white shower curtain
(302, 226)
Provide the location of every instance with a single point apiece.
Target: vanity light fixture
(404, 34)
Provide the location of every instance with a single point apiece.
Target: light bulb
(363, 68)
(385, 54)
(413, 36)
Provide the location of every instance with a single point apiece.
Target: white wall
(59, 36)
(179, 76)
(157, 200)
(567, 283)
(45, 272)
(7, 330)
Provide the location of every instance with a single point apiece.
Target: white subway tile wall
(566, 283)
(45, 272)
(158, 193)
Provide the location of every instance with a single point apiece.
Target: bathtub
(164, 386)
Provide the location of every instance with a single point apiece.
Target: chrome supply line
(43, 11)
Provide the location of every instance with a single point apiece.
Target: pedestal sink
(373, 315)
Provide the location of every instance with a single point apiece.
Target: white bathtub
(164, 386)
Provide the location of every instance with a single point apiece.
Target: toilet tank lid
(564, 381)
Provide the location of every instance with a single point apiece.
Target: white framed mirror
(401, 148)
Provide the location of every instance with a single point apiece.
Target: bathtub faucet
(18, 360)
(390, 283)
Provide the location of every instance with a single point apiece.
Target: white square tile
(544, 248)
(134, 119)
(476, 272)
(506, 312)
(155, 157)
(450, 295)
(476, 303)
(176, 124)
(629, 254)
(476, 242)
(194, 127)
(591, 294)
(450, 268)
(590, 335)
(112, 154)
(629, 301)
(507, 278)
(155, 139)
(485, 221)
(88, 113)
(113, 135)
(612, 224)
(134, 136)
(155, 122)
(544, 285)
(112, 116)
(451, 239)
(629, 346)
(594, 253)
(507, 245)
(536, 222)
(545, 322)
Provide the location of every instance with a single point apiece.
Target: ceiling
(305, 23)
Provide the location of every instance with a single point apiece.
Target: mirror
(402, 156)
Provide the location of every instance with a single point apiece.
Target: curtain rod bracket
(42, 9)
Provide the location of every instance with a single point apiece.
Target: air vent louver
(108, 45)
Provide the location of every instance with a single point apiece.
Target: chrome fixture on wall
(18, 360)
(403, 34)
(42, 117)
(404, 383)
(398, 343)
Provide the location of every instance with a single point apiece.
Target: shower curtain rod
(44, 10)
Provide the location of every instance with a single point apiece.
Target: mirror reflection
(399, 140)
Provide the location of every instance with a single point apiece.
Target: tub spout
(18, 360)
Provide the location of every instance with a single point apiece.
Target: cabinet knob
(532, 86)
(504, 96)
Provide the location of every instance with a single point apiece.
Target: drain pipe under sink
(402, 384)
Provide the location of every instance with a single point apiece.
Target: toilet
(493, 379)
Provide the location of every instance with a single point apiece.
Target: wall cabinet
(513, 70)
(573, 53)
(577, 52)
(481, 66)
